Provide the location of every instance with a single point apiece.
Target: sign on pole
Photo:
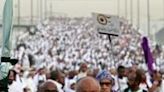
(104, 23)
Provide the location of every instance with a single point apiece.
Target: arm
(154, 86)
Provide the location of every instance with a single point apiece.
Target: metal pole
(51, 9)
(38, 9)
(138, 13)
(131, 11)
(126, 12)
(118, 7)
(113, 58)
(148, 18)
(41, 10)
(18, 12)
(45, 7)
(31, 11)
(110, 42)
(163, 13)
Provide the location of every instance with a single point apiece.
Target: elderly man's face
(106, 85)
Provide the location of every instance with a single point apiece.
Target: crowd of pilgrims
(68, 55)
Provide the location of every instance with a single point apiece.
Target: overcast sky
(76, 8)
(85, 7)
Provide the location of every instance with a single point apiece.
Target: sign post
(108, 25)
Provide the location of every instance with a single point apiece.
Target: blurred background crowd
(66, 49)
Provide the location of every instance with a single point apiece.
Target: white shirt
(81, 75)
(38, 77)
(31, 84)
(15, 87)
(123, 83)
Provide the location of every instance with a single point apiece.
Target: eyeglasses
(105, 83)
(50, 90)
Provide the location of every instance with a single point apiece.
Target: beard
(10, 82)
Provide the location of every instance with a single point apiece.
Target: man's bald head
(48, 86)
(87, 84)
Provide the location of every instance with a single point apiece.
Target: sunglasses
(105, 83)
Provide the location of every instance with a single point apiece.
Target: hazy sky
(85, 7)
(78, 8)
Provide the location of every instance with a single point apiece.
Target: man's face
(11, 77)
(83, 67)
(61, 78)
(122, 72)
(106, 85)
(132, 82)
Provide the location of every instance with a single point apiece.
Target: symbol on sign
(102, 19)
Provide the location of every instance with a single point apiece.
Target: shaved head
(49, 85)
(87, 84)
